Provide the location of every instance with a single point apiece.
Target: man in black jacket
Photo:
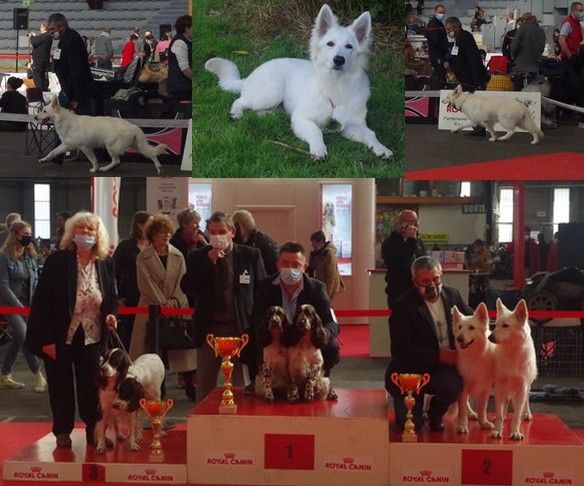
(71, 65)
(41, 56)
(465, 58)
(399, 250)
(290, 288)
(437, 42)
(422, 341)
(220, 282)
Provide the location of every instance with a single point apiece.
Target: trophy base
(228, 409)
(406, 437)
(156, 457)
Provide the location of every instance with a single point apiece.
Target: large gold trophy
(227, 348)
(156, 410)
(410, 383)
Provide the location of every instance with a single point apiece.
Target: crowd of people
(75, 289)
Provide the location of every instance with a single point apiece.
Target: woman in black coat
(72, 310)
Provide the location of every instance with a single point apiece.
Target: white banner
(106, 194)
(449, 117)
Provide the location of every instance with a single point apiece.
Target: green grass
(226, 148)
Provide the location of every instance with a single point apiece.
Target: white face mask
(451, 34)
(56, 35)
(290, 276)
(440, 16)
(84, 242)
(221, 242)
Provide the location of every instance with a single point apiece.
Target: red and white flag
(106, 193)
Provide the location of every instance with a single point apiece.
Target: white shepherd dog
(489, 109)
(332, 85)
(90, 132)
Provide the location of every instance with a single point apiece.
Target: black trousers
(446, 386)
(73, 373)
(41, 80)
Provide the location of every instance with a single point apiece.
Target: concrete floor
(25, 405)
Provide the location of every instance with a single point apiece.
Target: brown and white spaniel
(273, 379)
(304, 338)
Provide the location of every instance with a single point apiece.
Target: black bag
(173, 333)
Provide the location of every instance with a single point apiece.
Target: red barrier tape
(185, 311)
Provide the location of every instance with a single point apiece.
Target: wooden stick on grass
(290, 147)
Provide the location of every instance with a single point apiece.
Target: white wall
(462, 229)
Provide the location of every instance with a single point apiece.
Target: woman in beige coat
(159, 269)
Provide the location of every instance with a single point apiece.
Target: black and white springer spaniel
(122, 385)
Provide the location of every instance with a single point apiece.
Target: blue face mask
(581, 16)
(439, 16)
(84, 242)
(290, 276)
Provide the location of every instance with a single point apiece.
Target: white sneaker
(40, 384)
(6, 381)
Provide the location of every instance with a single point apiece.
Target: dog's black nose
(492, 338)
(339, 60)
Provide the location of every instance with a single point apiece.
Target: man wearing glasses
(290, 288)
(399, 250)
(422, 341)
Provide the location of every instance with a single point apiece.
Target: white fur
(90, 132)
(487, 110)
(148, 370)
(316, 91)
(475, 362)
(515, 366)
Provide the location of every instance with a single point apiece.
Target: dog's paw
(44, 159)
(486, 425)
(493, 139)
(534, 142)
(293, 396)
(269, 397)
(496, 434)
(309, 395)
(462, 429)
(319, 153)
(383, 152)
(109, 443)
(93, 170)
(472, 415)
(159, 170)
(516, 436)
(528, 416)
(100, 448)
(332, 395)
(135, 446)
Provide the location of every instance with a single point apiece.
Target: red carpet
(354, 341)
(563, 166)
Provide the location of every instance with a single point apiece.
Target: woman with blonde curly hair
(72, 309)
(18, 280)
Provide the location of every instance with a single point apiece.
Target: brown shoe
(64, 441)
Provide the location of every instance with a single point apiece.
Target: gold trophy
(410, 383)
(156, 410)
(227, 348)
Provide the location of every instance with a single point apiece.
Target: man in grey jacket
(104, 50)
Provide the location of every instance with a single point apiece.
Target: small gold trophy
(227, 348)
(156, 410)
(410, 383)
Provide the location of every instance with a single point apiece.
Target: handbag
(153, 71)
(172, 333)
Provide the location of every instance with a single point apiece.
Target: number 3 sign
(487, 466)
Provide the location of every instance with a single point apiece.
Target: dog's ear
(319, 333)
(500, 307)
(520, 311)
(362, 27)
(458, 89)
(55, 103)
(455, 313)
(324, 21)
(482, 312)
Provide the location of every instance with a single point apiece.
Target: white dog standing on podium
(332, 85)
(515, 367)
(90, 132)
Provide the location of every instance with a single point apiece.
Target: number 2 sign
(487, 466)
(289, 451)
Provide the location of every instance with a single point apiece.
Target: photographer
(399, 250)
(41, 56)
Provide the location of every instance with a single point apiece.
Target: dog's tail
(227, 72)
(529, 124)
(150, 151)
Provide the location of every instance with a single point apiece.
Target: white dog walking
(488, 110)
(332, 85)
(90, 132)
(515, 366)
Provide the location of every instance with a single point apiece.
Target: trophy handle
(395, 379)
(211, 342)
(424, 381)
(169, 405)
(244, 340)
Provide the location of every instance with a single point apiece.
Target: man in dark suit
(71, 64)
(290, 288)
(41, 56)
(422, 341)
(220, 283)
(437, 42)
(248, 234)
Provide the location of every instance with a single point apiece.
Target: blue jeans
(17, 325)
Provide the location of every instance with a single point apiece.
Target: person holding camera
(399, 250)
(41, 56)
